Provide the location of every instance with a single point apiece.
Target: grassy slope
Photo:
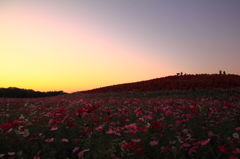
(185, 82)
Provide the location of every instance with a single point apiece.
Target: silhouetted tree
(13, 92)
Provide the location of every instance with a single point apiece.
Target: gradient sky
(77, 45)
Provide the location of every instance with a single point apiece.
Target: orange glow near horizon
(47, 51)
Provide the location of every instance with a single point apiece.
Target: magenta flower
(222, 148)
(6, 126)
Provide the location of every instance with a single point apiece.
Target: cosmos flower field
(171, 124)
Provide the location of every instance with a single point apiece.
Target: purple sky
(195, 36)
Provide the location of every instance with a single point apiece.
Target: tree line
(13, 92)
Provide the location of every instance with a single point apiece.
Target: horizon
(81, 45)
(177, 75)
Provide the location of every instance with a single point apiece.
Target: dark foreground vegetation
(178, 124)
(13, 92)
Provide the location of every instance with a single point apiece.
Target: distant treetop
(13, 92)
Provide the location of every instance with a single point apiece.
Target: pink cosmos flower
(153, 143)
(211, 134)
(222, 148)
(236, 150)
(11, 153)
(18, 122)
(193, 149)
(26, 133)
(51, 122)
(148, 117)
(75, 149)
(81, 153)
(237, 128)
(64, 140)
(36, 157)
(185, 145)
(131, 128)
(142, 129)
(99, 128)
(136, 140)
(20, 127)
(204, 142)
(168, 113)
(49, 140)
(54, 128)
(126, 146)
(110, 131)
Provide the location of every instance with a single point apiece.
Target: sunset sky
(77, 45)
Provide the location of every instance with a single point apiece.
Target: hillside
(171, 124)
(184, 82)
